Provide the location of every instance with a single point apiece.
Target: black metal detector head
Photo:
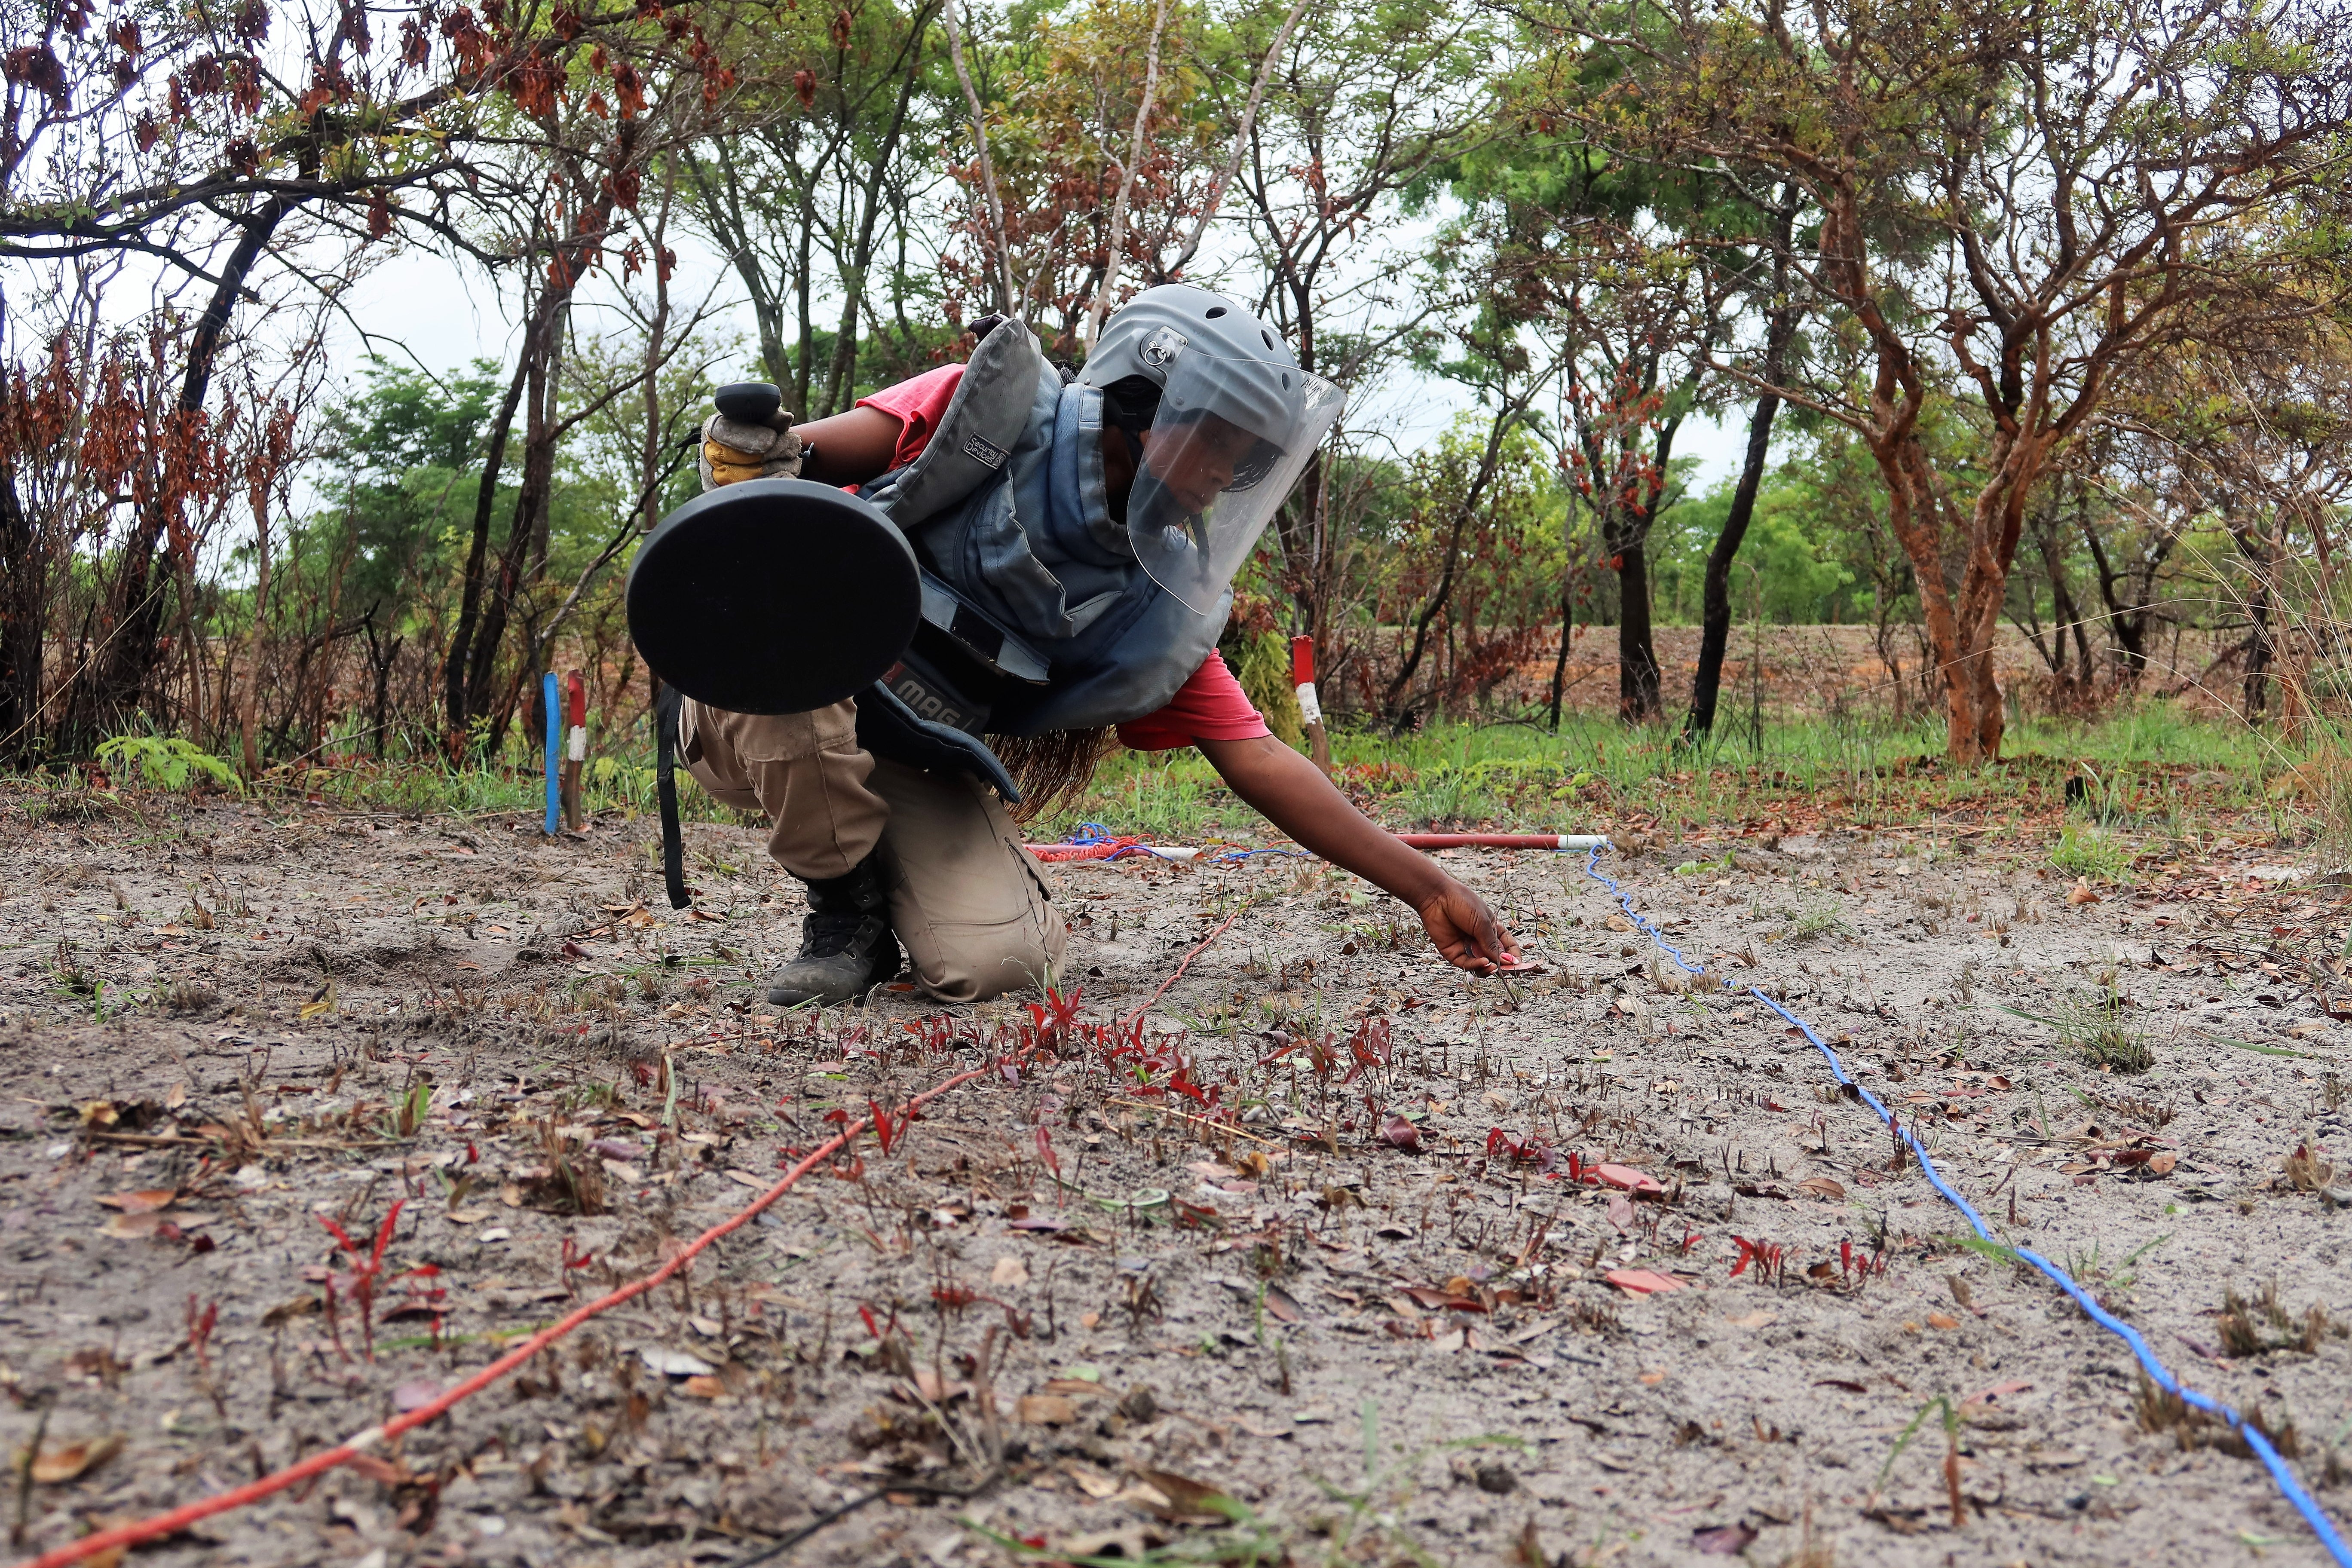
(773, 596)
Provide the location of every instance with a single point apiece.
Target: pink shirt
(1209, 705)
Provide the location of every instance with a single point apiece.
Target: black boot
(846, 948)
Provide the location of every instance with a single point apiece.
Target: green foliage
(2091, 852)
(409, 447)
(164, 761)
(1261, 662)
(2095, 1025)
(1791, 567)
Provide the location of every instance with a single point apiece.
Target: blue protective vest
(1034, 546)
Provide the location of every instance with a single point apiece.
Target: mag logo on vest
(908, 689)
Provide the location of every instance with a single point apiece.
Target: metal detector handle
(666, 703)
(753, 403)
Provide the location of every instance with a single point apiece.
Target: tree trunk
(1640, 693)
(24, 585)
(1560, 665)
(2262, 642)
(119, 678)
(458, 689)
(1714, 608)
(523, 528)
(1715, 612)
(248, 710)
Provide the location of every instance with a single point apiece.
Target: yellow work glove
(733, 450)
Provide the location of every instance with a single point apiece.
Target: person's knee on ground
(969, 903)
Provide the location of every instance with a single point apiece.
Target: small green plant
(164, 761)
(1948, 1408)
(1815, 921)
(2091, 853)
(2094, 1023)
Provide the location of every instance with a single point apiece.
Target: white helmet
(1237, 422)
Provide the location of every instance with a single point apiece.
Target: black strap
(667, 700)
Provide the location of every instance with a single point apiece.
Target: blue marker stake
(554, 751)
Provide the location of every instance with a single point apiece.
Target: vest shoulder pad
(984, 420)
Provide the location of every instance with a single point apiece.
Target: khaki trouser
(968, 901)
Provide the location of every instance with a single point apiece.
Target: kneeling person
(1106, 535)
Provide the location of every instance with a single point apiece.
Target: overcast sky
(442, 315)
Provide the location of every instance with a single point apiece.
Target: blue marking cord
(1230, 856)
(1092, 833)
(2157, 1371)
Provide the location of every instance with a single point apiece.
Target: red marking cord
(326, 1459)
(1177, 972)
(1482, 840)
(179, 1518)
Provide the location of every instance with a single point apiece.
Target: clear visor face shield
(1231, 438)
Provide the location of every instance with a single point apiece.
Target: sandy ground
(1319, 1263)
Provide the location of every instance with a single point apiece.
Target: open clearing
(1313, 1263)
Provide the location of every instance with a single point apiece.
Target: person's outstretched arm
(1291, 792)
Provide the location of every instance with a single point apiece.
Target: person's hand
(1465, 931)
(734, 451)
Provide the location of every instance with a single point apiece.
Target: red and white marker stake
(575, 751)
(1310, 709)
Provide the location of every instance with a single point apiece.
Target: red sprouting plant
(1852, 1265)
(1533, 1150)
(1369, 1045)
(367, 1276)
(571, 1262)
(366, 1269)
(1769, 1258)
(1045, 1150)
(200, 1332)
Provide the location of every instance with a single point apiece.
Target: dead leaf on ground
(1010, 1269)
(1189, 1498)
(1752, 1320)
(1631, 1180)
(145, 1201)
(1644, 1281)
(937, 1390)
(1723, 1540)
(2080, 894)
(1942, 1321)
(1044, 1410)
(1987, 1396)
(1280, 1305)
(415, 1395)
(131, 1227)
(1092, 1482)
(673, 1363)
(1821, 1187)
(74, 1459)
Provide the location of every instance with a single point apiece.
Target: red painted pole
(1310, 708)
